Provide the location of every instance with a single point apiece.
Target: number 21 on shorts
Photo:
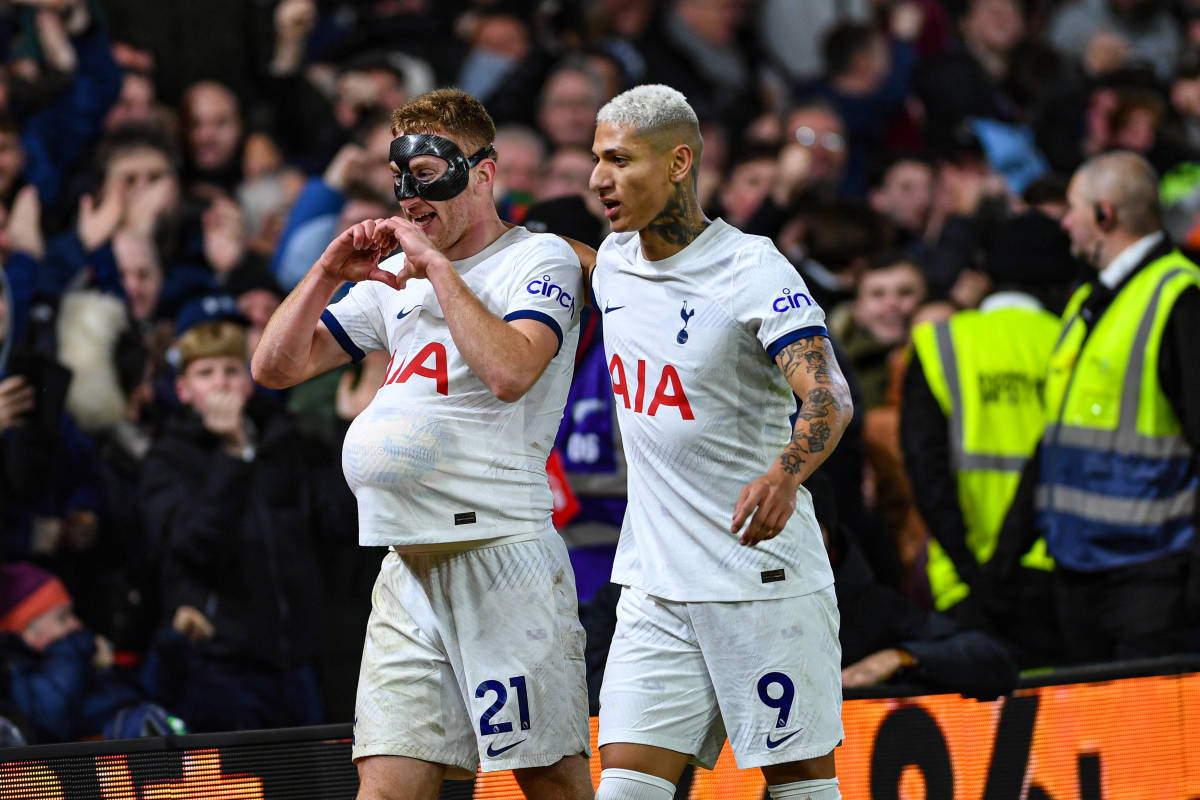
(489, 728)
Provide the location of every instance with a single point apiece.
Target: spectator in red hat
(60, 676)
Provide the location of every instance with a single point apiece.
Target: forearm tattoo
(681, 219)
(821, 417)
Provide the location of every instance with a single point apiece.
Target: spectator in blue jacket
(61, 677)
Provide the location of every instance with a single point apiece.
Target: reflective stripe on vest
(1123, 489)
(991, 434)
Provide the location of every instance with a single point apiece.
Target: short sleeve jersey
(704, 410)
(436, 458)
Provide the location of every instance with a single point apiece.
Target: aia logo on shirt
(430, 362)
(668, 391)
(789, 300)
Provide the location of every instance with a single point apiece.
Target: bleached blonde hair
(657, 112)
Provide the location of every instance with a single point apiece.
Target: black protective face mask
(449, 183)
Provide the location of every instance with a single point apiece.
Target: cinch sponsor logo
(789, 301)
(552, 290)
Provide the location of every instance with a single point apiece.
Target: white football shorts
(474, 657)
(679, 675)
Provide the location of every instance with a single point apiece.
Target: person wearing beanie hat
(60, 677)
(35, 605)
(971, 418)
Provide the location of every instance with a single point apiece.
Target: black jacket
(876, 617)
(236, 539)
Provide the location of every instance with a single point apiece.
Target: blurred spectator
(813, 160)
(1141, 29)
(139, 192)
(703, 49)
(750, 179)
(62, 677)
(1114, 483)
(792, 41)
(323, 209)
(972, 415)
(109, 397)
(877, 320)
(969, 200)
(213, 133)
(830, 246)
(568, 104)
(970, 79)
(567, 172)
(499, 42)
(867, 80)
(137, 103)
(257, 296)
(903, 193)
(520, 153)
(233, 504)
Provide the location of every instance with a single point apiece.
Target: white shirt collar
(997, 300)
(1128, 259)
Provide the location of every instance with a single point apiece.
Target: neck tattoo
(681, 220)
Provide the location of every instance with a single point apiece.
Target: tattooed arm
(825, 411)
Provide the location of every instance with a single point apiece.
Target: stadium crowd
(178, 545)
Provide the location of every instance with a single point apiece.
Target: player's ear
(485, 171)
(681, 163)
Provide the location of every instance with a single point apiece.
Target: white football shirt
(704, 410)
(436, 457)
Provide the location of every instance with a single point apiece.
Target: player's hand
(875, 668)
(355, 254)
(771, 502)
(419, 252)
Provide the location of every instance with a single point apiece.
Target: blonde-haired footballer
(727, 623)
(474, 651)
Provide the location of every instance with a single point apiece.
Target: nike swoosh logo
(582, 408)
(404, 314)
(771, 745)
(493, 753)
(608, 308)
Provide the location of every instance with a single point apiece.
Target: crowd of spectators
(170, 169)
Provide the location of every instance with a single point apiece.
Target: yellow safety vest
(1118, 482)
(986, 370)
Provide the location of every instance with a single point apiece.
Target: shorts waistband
(471, 544)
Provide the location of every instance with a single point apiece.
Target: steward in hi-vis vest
(1115, 483)
(972, 412)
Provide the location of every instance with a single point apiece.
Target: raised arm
(507, 355)
(825, 411)
(296, 345)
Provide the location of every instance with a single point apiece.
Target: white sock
(821, 789)
(625, 784)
